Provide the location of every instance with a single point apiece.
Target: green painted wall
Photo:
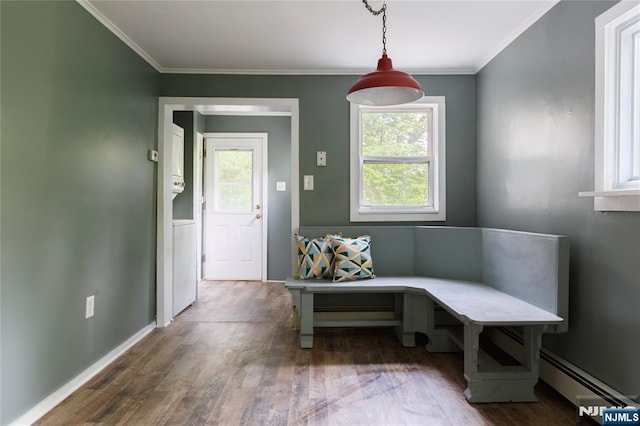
(535, 153)
(79, 112)
(324, 126)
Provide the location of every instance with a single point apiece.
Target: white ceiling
(316, 36)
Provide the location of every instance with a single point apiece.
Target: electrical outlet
(90, 306)
(321, 158)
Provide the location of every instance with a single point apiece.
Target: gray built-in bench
(480, 277)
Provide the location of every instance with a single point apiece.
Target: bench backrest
(391, 246)
(448, 252)
(532, 267)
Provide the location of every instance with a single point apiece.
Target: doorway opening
(229, 106)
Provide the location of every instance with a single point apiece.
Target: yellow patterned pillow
(352, 258)
(315, 257)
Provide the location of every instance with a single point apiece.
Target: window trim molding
(609, 194)
(435, 213)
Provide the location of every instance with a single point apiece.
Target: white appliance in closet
(184, 265)
(177, 160)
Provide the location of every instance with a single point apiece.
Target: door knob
(258, 216)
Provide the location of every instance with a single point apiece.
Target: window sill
(439, 216)
(624, 200)
(612, 193)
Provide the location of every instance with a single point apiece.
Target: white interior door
(234, 210)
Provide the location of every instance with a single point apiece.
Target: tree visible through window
(397, 162)
(233, 180)
(395, 149)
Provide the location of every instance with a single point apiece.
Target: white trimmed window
(398, 162)
(617, 109)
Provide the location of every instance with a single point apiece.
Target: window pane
(395, 184)
(395, 133)
(627, 120)
(233, 181)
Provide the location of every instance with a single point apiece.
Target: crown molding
(451, 71)
(86, 4)
(547, 6)
(119, 33)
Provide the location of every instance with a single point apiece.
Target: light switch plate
(89, 306)
(281, 186)
(308, 182)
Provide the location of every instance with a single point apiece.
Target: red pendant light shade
(385, 86)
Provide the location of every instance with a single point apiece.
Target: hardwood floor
(233, 359)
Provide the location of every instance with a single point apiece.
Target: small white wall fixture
(232, 106)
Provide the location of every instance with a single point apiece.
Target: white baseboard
(47, 404)
(575, 384)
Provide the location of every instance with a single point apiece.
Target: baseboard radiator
(576, 385)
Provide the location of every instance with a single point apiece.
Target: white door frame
(264, 190)
(198, 164)
(237, 106)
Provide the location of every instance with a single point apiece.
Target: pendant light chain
(382, 10)
(385, 85)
